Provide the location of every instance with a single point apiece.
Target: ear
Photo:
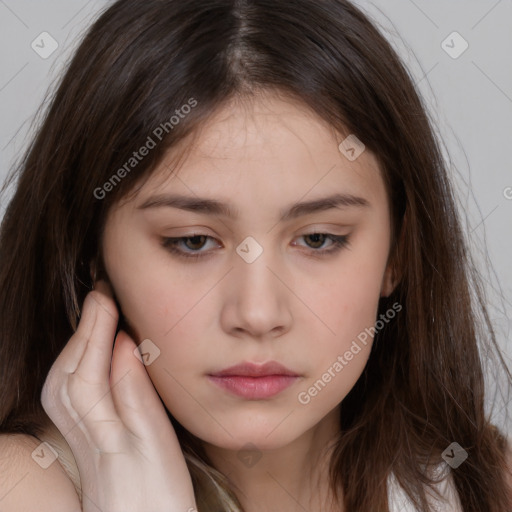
(97, 269)
(389, 281)
(393, 272)
(93, 270)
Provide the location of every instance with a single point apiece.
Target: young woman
(233, 278)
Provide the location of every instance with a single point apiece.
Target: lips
(248, 369)
(254, 381)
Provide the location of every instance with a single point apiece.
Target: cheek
(168, 311)
(348, 302)
(350, 315)
(154, 296)
(350, 312)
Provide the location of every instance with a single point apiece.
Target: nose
(257, 299)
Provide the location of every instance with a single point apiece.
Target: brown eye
(318, 239)
(195, 241)
(187, 246)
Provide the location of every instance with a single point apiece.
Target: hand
(125, 446)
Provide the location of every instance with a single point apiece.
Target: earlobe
(389, 281)
(394, 273)
(93, 270)
(97, 269)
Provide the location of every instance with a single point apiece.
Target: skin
(288, 305)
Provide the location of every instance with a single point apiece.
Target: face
(260, 279)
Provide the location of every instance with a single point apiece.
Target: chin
(248, 443)
(260, 436)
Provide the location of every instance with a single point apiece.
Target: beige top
(449, 501)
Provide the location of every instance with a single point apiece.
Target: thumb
(134, 395)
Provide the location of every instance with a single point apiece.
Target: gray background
(469, 99)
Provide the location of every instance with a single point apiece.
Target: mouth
(255, 382)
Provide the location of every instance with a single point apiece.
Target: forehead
(264, 145)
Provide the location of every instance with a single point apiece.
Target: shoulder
(32, 479)
(56, 440)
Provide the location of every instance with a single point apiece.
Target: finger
(70, 356)
(72, 353)
(94, 366)
(81, 397)
(135, 397)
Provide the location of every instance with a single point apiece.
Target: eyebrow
(213, 207)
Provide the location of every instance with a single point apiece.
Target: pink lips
(253, 381)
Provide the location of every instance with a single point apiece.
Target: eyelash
(339, 242)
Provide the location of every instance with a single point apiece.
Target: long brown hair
(140, 62)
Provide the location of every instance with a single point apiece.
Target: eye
(194, 243)
(318, 239)
(172, 244)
